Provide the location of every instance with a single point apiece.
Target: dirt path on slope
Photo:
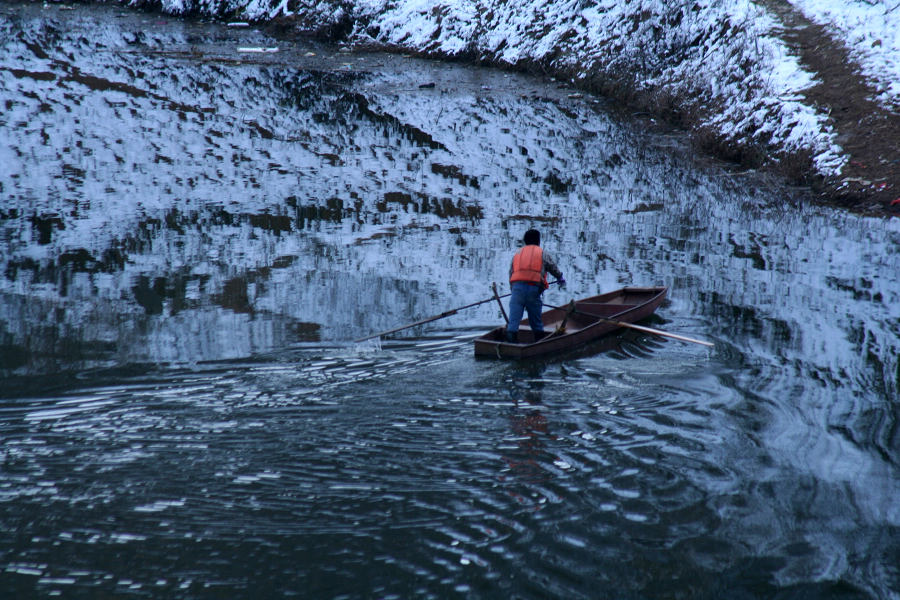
(868, 132)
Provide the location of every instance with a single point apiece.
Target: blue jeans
(524, 297)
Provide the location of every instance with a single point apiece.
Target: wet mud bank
(868, 131)
(756, 84)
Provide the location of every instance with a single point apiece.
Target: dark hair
(532, 236)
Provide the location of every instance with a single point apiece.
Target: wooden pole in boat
(562, 326)
(659, 332)
(497, 296)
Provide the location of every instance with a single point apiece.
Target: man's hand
(562, 283)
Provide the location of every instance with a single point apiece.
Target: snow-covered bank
(712, 63)
(717, 66)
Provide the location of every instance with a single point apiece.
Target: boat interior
(555, 318)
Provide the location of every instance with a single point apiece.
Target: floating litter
(239, 24)
(258, 50)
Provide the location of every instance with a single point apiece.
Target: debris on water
(425, 86)
(260, 50)
(239, 24)
(576, 95)
(370, 345)
(310, 54)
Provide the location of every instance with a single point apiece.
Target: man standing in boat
(528, 280)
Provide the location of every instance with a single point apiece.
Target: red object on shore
(897, 201)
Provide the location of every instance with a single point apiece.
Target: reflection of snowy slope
(762, 260)
(717, 60)
(252, 206)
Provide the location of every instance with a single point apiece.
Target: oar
(430, 319)
(659, 332)
(442, 315)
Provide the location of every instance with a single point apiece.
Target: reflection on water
(190, 238)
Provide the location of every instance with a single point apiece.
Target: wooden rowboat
(583, 321)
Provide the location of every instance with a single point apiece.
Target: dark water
(192, 236)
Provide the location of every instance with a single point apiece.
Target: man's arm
(550, 265)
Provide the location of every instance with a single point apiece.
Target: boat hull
(583, 325)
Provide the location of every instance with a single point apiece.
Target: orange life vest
(528, 266)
